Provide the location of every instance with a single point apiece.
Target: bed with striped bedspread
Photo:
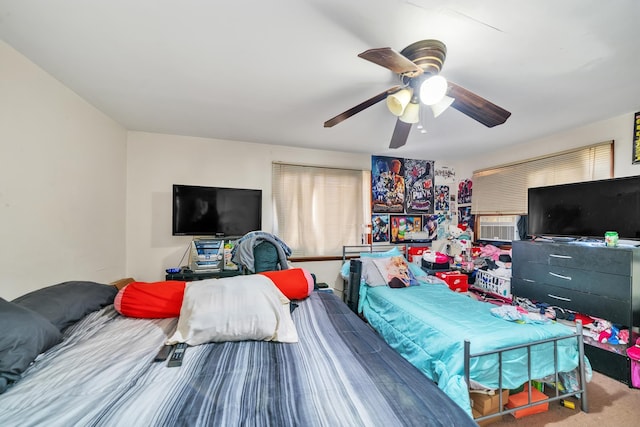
(340, 373)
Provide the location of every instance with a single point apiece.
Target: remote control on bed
(163, 353)
(178, 354)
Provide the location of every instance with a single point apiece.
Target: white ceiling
(274, 71)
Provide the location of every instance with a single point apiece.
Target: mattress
(340, 373)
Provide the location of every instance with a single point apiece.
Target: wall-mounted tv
(215, 211)
(586, 209)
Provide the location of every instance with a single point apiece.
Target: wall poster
(442, 198)
(419, 183)
(465, 217)
(434, 226)
(387, 184)
(464, 191)
(444, 175)
(380, 228)
(402, 224)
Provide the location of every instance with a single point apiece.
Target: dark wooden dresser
(587, 278)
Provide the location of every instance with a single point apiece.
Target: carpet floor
(610, 403)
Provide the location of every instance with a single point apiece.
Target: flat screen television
(586, 209)
(215, 211)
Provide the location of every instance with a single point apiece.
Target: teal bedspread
(428, 325)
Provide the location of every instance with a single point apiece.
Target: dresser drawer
(591, 282)
(592, 258)
(614, 310)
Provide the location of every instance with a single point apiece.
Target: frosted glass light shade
(397, 102)
(439, 107)
(432, 90)
(411, 113)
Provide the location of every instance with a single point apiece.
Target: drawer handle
(560, 256)
(557, 297)
(560, 276)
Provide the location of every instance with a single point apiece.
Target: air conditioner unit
(503, 228)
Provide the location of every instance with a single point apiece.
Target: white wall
(62, 183)
(619, 129)
(155, 162)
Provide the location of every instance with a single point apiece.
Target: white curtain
(317, 210)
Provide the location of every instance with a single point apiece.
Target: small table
(191, 276)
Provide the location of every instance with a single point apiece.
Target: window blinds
(503, 189)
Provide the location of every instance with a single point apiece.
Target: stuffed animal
(613, 335)
(459, 240)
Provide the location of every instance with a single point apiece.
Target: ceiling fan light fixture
(432, 90)
(439, 107)
(398, 101)
(411, 113)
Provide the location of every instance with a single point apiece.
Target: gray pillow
(66, 303)
(25, 334)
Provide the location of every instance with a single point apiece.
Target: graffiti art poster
(464, 191)
(380, 228)
(418, 176)
(444, 175)
(403, 224)
(387, 184)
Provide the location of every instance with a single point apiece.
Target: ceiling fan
(418, 66)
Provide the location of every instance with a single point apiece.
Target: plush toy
(459, 241)
(613, 335)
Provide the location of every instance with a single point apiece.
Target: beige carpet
(611, 403)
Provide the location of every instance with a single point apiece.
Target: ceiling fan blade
(400, 134)
(394, 61)
(363, 105)
(477, 107)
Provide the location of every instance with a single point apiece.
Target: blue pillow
(25, 334)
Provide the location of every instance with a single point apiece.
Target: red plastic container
(457, 282)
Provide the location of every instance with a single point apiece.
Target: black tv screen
(586, 209)
(215, 211)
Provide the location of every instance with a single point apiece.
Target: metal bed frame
(352, 287)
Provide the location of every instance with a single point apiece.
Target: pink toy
(634, 352)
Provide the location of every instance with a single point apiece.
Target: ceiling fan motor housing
(427, 54)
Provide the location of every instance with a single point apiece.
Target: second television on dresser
(586, 209)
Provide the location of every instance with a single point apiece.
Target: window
(502, 190)
(317, 210)
(500, 193)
